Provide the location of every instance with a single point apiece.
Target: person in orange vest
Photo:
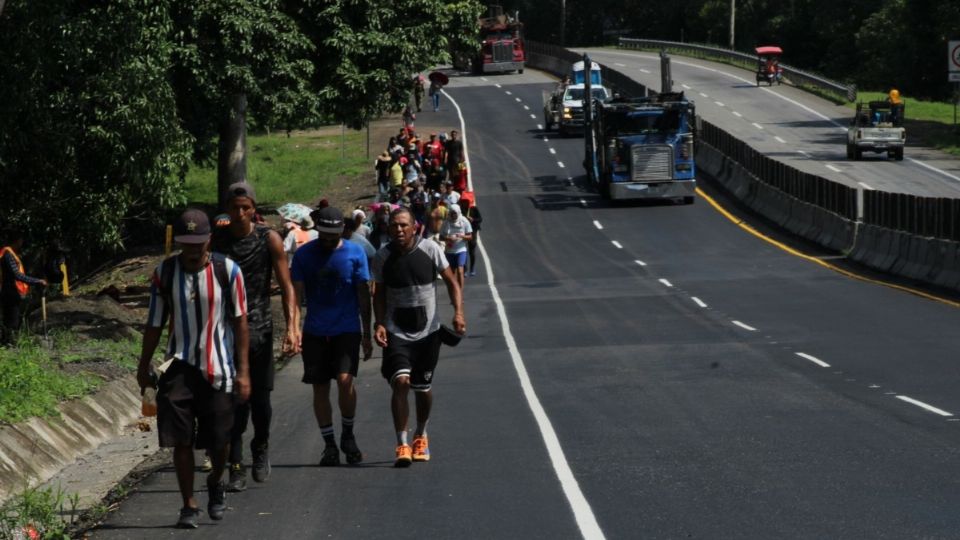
(14, 286)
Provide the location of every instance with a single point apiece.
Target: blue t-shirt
(330, 280)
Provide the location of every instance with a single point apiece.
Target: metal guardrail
(792, 75)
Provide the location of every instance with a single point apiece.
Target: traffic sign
(953, 58)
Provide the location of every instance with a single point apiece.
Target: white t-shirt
(459, 227)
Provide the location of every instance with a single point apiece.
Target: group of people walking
(214, 299)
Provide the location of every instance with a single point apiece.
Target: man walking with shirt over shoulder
(407, 326)
(202, 294)
(258, 250)
(332, 274)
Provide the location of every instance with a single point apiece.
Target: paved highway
(639, 371)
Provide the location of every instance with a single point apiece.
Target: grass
(290, 169)
(38, 513)
(35, 379)
(929, 122)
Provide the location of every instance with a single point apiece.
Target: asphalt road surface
(638, 371)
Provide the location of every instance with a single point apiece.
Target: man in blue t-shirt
(333, 275)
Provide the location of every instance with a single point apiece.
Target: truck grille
(502, 51)
(652, 162)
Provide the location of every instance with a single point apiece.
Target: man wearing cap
(332, 274)
(259, 251)
(455, 232)
(408, 326)
(204, 295)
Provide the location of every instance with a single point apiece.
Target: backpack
(219, 261)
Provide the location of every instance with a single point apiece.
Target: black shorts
(325, 357)
(190, 411)
(418, 359)
(260, 360)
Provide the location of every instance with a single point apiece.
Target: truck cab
(563, 108)
(877, 127)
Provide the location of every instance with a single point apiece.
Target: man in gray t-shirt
(407, 326)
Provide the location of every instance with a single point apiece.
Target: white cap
(359, 212)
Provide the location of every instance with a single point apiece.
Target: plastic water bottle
(148, 403)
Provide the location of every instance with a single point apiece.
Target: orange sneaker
(404, 456)
(421, 449)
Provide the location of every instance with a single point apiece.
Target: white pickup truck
(877, 127)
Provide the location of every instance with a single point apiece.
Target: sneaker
(188, 518)
(238, 478)
(207, 464)
(421, 450)
(261, 464)
(404, 456)
(330, 457)
(216, 500)
(473, 273)
(351, 450)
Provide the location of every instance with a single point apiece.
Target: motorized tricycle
(768, 65)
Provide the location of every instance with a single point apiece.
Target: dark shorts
(418, 359)
(325, 357)
(190, 411)
(457, 260)
(262, 369)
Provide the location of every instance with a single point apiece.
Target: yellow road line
(745, 226)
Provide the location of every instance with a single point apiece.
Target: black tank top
(253, 255)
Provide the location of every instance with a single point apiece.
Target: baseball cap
(192, 227)
(240, 189)
(359, 212)
(328, 220)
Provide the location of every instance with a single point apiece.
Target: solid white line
(597, 225)
(699, 302)
(552, 151)
(665, 282)
(582, 512)
(561, 165)
(866, 186)
(685, 86)
(781, 141)
(832, 168)
(738, 115)
(932, 168)
(758, 126)
(813, 359)
(719, 104)
(616, 244)
(526, 108)
(744, 326)
(923, 405)
(641, 263)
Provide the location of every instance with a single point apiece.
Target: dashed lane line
(561, 165)
(597, 225)
(866, 186)
(738, 115)
(756, 125)
(744, 326)
(616, 244)
(719, 104)
(779, 140)
(813, 359)
(923, 405)
(698, 301)
(640, 263)
(552, 151)
(665, 282)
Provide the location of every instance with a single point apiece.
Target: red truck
(501, 43)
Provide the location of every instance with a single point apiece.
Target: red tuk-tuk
(768, 65)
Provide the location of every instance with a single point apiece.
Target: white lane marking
(533, 116)
(526, 108)
(582, 512)
(540, 127)
(685, 86)
(719, 104)
(552, 151)
(640, 263)
(545, 139)
(698, 301)
(832, 168)
(703, 95)
(583, 202)
(813, 359)
(866, 186)
(498, 85)
(597, 225)
(932, 168)
(738, 115)
(560, 164)
(644, 70)
(665, 282)
(484, 79)
(923, 405)
(744, 326)
(509, 93)
(804, 152)
(756, 125)
(616, 244)
(518, 100)
(619, 64)
(781, 141)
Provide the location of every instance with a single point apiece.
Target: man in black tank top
(258, 250)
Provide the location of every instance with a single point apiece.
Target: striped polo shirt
(200, 332)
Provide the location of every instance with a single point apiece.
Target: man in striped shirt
(203, 296)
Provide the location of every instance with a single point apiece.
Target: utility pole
(733, 16)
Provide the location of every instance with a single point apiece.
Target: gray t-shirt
(411, 288)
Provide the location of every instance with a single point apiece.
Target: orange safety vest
(22, 287)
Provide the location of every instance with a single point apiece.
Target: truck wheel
(849, 152)
(604, 188)
(688, 200)
(899, 154)
(857, 154)
(520, 71)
